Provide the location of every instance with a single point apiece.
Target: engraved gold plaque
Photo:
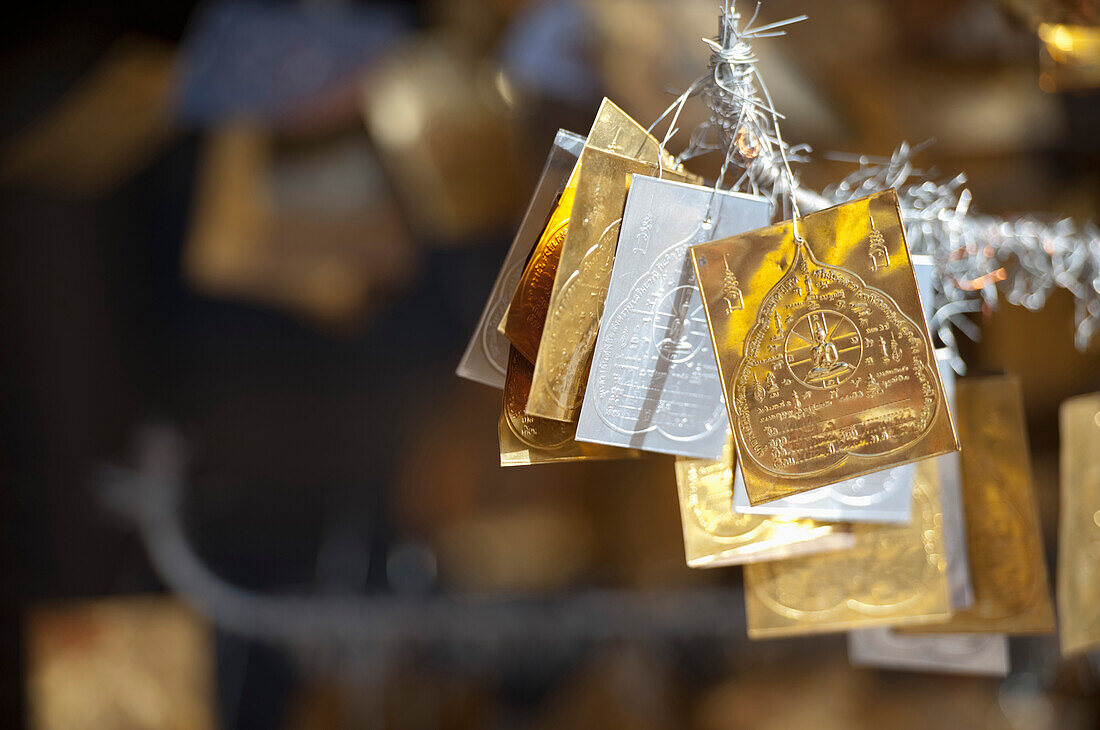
(715, 535)
(1079, 539)
(893, 575)
(824, 353)
(584, 270)
(523, 323)
(1003, 535)
(526, 439)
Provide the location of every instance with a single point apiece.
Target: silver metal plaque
(486, 357)
(951, 504)
(984, 654)
(654, 381)
(948, 465)
(884, 497)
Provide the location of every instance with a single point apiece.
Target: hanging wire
(979, 258)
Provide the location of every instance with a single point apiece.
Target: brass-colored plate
(526, 315)
(824, 353)
(584, 270)
(715, 535)
(1003, 534)
(526, 440)
(1079, 541)
(894, 575)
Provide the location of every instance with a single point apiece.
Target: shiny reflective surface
(1004, 539)
(715, 535)
(826, 360)
(526, 314)
(1079, 538)
(526, 439)
(985, 654)
(894, 575)
(580, 285)
(486, 356)
(654, 382)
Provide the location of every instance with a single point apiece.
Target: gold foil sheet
(824, 353)
(526, 315)
(1003, 534)
(893, 575)
(587, 252)
(1079, 538)
(526, 439)
(715, 535)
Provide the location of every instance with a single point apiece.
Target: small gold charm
(839, 346)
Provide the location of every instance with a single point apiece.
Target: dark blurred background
(244, 244)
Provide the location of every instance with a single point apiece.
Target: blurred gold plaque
(617, 148)
(715, 535)
(1003, 536)
(526, 315)
(526, 439)
(894, 575)
(823, 350)
(140, 662)
(1079, 541)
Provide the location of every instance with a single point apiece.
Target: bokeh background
(244, 244)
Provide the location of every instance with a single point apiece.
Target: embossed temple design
(880, 255)
(827, 402)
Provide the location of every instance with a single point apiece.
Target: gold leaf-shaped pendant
(828, 366)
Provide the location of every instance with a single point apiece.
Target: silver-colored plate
(486, 357)
(654, 380)
(884, 496)
(951, 505)
(983, 654)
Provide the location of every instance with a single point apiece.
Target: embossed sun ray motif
(807, 346)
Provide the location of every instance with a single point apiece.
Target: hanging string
(979, 259)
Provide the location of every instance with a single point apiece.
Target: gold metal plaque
(584, 271)
(894, 575)
(1079, 541)
(824, 353)
(715, 535)
(526, 439)
(526, 315)
(126, 663)
(1003, 535)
